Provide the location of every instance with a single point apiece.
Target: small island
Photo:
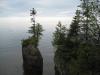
(32, 59)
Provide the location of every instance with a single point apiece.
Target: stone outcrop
(32, 60)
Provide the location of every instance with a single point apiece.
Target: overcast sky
(48, 8)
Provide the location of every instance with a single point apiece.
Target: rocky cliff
(32, 60)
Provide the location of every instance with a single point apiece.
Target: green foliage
(74, 27)
(89, 23)
(36, 31)
(79, 51)
(72, 39)
(31, 40)
(87, 60)
(34, 39)
(59, 35)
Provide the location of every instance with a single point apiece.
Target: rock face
(32, 61)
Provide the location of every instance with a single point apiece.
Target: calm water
(11, 34)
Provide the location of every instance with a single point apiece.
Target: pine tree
(36, 31)
(32, 30)
(96, 10)
(74, 31)
(74, 27)
(59, 35)
(89, 26)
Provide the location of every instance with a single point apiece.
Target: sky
(46, 9)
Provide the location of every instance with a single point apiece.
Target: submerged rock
(32, 60)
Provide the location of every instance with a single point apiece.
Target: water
(12, 31)
(11, 34)
(47, 52)
(10, 50)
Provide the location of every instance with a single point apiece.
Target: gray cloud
(44, 7)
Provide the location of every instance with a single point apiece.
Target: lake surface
(11, 34)
(12, 31)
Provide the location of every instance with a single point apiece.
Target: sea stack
(32, 60)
